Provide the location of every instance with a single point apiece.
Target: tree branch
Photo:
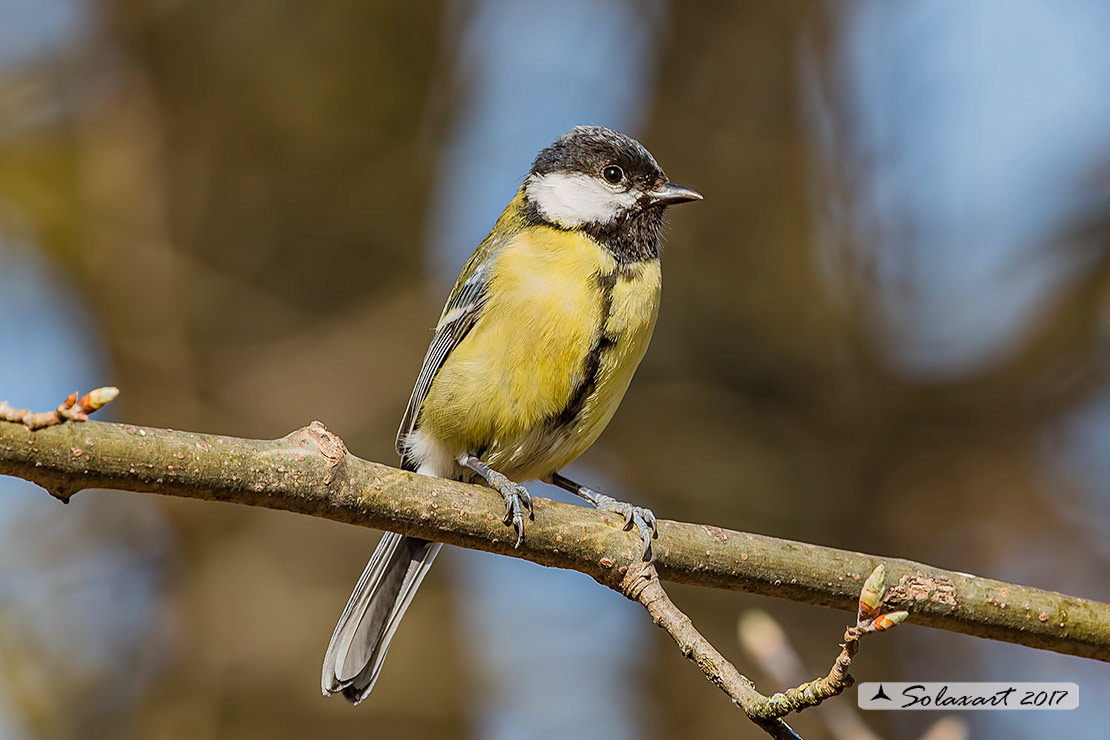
(311, 472)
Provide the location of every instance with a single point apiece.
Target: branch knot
(328, 444)
(638, 577)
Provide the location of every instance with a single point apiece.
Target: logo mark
(967, 695)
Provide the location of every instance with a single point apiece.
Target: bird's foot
(517, 498)
(517, 501)
(639, 517)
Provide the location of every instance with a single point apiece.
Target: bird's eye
(613, 174)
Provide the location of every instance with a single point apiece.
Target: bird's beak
(670, 194)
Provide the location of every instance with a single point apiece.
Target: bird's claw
(517, 500)
(640, 517)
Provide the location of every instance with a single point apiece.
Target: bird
(533, 352)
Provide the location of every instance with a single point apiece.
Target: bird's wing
(461, 312)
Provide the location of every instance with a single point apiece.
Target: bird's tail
(361, 639)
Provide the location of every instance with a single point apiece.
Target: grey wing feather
(459, 316)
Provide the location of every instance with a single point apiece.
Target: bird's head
(601, 181)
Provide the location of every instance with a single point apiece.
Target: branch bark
(310, 472)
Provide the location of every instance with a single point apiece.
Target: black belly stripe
(592, 365)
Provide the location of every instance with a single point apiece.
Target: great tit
(531, 356)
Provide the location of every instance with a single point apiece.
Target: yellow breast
(542, 371)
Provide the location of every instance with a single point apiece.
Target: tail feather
(361, 639)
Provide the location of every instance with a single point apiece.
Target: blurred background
(893, 306)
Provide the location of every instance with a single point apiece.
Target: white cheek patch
(571, 200)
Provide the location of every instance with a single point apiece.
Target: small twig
(641, 584)
(71, 409)
(868, 620)
(767, 645)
